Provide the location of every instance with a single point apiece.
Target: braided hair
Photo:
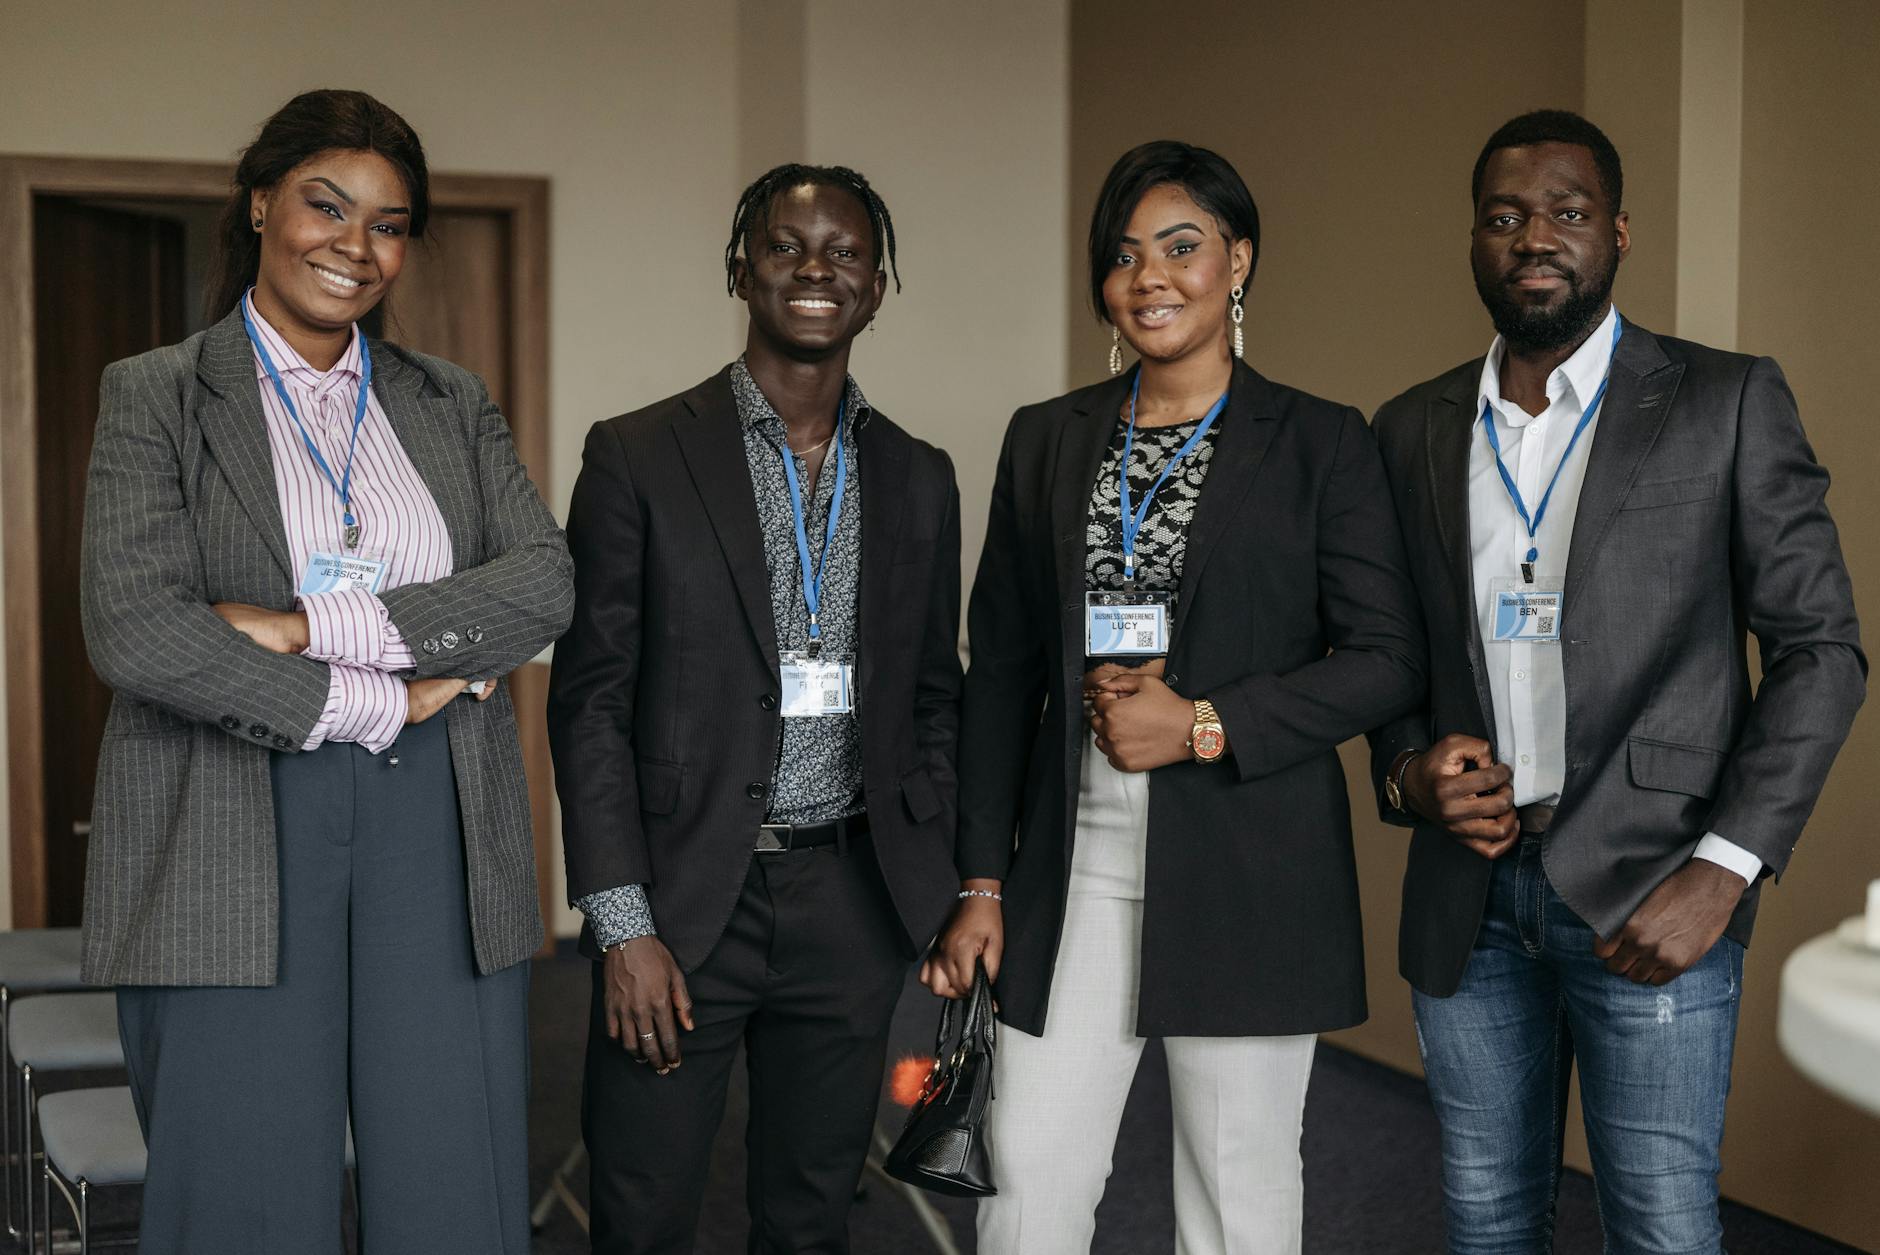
(754, 207)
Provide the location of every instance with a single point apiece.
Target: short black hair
(1555, 126)
(754, 207)
(1204, 174)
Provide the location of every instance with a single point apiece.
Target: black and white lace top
(1162, 543)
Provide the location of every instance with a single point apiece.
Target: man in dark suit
(764, 567)
(1596, 516)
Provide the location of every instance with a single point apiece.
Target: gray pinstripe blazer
(181, 511)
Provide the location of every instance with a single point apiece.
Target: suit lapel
(713, 447)
(1246, 429)
(1448, 432)
(236, 431)
(883, 454)
(1644, 382)
(1082, 441)
(425, 427)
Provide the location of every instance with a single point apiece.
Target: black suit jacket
(662, 705)
(1296, 619)
(1703, 516)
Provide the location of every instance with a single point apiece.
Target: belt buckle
(769, 842)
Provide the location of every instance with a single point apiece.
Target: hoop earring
(1116, 351)
(1238, 314)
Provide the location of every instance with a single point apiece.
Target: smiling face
(1545, 246)
(1168, 287)
(332, 241)
(810, 276)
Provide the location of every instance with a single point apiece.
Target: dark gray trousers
(244, 1093)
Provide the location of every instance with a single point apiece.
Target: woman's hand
(278, 631)
(424, 698)
(975, 934)
(1140, 723)
(1101, 674)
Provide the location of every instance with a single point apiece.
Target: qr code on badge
(1544, 625)
(831, 698)
(1145, 638)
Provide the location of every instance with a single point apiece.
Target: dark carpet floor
(1371, 1158)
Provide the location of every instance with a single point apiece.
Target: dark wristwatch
(1393, 779)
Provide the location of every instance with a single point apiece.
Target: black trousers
(806, 976)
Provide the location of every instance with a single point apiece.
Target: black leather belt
(782, 838)
(1535, 817)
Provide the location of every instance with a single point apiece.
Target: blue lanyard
(1133, 518)
(1507, 480)
(812, 583)
(341, 486)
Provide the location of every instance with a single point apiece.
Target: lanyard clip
(1527, 572)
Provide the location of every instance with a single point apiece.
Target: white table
(1829, 1022)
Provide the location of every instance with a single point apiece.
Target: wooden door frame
(523, 200)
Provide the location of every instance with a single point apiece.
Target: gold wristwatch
(1208, 741)
(1393, 779)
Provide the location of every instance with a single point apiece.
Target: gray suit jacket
(181, 511)
(1703, 517)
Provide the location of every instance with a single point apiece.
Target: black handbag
(943, 1145)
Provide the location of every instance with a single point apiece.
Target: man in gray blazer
(1596, 516)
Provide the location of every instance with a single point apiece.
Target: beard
(1531, 329)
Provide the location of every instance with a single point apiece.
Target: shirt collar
(1580, 374)
(291, 363)
(755, 409)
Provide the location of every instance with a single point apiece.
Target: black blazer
(1296, 619)
(1703, 516)
(662, 704)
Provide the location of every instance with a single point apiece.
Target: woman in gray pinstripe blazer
(311, 871)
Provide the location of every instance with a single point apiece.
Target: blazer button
(450, 640)
(429, 645)
(259, 731)
(231, 722)
(768, 701)
(755, 790)
(474, 635)
(1171, 679)
(282, 742)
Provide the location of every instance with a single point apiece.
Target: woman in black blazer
(1213, 627)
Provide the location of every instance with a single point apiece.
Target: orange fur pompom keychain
(908, 1078)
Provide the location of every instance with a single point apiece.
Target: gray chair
(32, 961)
(92, 1139)
(65, 1032)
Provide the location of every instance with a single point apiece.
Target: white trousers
(1237, 1101)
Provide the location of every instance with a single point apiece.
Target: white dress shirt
(1526, 681)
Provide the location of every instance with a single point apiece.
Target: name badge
(1126, 624)
(1528, 612)
(815, 686)
(337, 572)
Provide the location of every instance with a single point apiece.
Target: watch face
(1209, 742)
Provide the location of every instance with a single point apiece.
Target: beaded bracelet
(981, 893)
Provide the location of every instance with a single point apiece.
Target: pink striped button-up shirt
(398, 520)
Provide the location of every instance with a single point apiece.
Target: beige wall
(1356, 127)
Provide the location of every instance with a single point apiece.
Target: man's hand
(1676, 926)
(975, 934)
(1140, 722)
(647, 1004)
(1449, 784)
(278, 631)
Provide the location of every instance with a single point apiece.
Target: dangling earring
(1238, 314)
(1116, 351)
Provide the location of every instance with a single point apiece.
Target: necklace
(803, 453)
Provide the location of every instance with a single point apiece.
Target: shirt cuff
(364, 706)
(353, 626)
(1729, 855)
(617, 915)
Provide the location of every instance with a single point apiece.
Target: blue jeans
(1654, 1074)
